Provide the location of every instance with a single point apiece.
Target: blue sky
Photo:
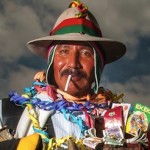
(126, 21)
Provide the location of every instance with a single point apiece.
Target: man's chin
(76, 92)
(76, 88)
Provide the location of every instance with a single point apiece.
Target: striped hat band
(76, 25)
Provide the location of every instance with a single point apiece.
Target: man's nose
(74, 61)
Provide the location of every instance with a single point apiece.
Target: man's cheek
(60, 63)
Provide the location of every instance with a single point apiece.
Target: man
(62, 106)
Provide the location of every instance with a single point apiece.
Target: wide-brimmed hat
(78, 24)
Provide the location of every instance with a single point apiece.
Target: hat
(77, 23)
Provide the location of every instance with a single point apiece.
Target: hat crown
(71, 17)
(71, 13)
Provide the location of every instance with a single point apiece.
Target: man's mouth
(72, 75)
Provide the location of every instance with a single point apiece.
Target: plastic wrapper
(139, 119)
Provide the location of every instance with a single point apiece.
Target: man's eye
(64, 52)
(86, 53)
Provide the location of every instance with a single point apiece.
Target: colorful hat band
(76, 25)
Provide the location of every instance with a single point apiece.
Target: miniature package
(125, 107)
(139, 119)
(113, 133)
(113, 136)
(114, 117)
(93, 142)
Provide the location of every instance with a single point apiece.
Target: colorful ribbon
(29, 100)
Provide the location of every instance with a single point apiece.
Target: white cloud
(135, 89)
(16, 28)
(17, 80)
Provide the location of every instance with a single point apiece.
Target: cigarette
(67, 83)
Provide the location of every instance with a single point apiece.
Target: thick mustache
(73, 72)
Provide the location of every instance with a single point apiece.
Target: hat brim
(113, 49)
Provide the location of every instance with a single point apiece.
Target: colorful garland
(66, 108)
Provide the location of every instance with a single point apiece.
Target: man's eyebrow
(88, 47)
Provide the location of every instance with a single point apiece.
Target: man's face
(75, 59)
